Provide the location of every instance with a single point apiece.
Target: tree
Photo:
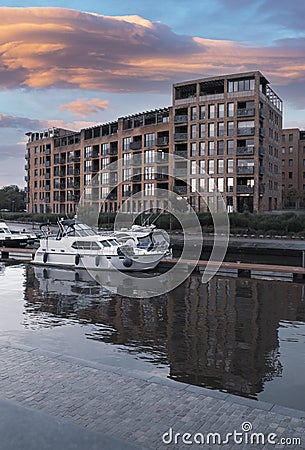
(12, 198)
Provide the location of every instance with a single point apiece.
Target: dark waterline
(236, 335)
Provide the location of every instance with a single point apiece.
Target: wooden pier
(12, 254)
(247, 270)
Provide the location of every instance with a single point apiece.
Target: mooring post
(303, 258)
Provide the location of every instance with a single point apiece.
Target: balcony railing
(245, 112)
(162, 159)
(136, 145)
(162, 141)
(245, 170)
(180, 119)
(76, 159)
(182, 190)
(136, 161)
(246, 131)
(180, 172)
(181, 154)
(113, 151)
(243, 189)
(180, 137)
(249, 150)
(161, 176)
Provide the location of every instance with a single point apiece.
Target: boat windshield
(4, 229)
(83, 230)
(109, 243)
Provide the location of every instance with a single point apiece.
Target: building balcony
(112, 196)
(181, 190)
(136, 145)
(162, 141)
(245, 112)
(135, 161)
(246, 131)
(180, 154)
(245, 170)
(162, 158)
(180, 172)
(180, 137)
(137, 177)
(76, 159)
(181, 119)
(249, 150)
(243, 189)
(161, 176)
(127, 194)
(113, 151)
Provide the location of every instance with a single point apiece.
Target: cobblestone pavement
(135, 407)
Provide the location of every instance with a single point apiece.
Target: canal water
(242, 336)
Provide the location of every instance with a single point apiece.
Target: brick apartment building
(228, 126)
(293, 159)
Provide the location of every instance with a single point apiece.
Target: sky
(76, 64)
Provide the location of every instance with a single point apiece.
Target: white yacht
(10, 239)
(78, 246)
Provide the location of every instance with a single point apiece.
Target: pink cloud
(83, 107)
(56, 47)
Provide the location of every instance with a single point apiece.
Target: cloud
(55, 47)
(21, 123)
(83, 107)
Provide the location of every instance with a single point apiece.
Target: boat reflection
(222, 335)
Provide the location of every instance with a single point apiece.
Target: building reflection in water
(222, 335)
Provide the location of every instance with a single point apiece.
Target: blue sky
(65, 67)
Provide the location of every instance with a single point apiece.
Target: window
(211, 185)
(221, 110)
(230, 147)
(230, 109)
(201, 148)
(211, 130)
(241, 85)
(220, 184)
(211, 166)
(193, 184)
(290, 175)
(211, 148)
(105, 148)
(283, 138)
(105, 177)
(211, 111)
(149, 173)
(220, 166)
(220, 148)
(283, 150)
(290, 162)
(230, 166)
(193, 149)
(230, 128)
(283, 162)
(202, 167)
(87, 166)
(283, 175)
(126, 143)
(126, 159)
(202, 130)
(149, 189)
(88, 152)
(220, 129)
(290, 137)
(193, 131)
(290, 149)
(149, 140)
(230, 184)
(202, 112)
(193, 113)
(126, 174)
(149, 157)
(193, 168)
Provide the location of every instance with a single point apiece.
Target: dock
(246, 270)
(10, 254)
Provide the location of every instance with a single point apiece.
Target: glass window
(202, 130)
(149, 173)
(149, 156)
(211, 166)
(220, 166)
(230, 109)
(202, 166)
(149, 140)
(201, 148)
(193, 149)
(220, 148)
(211, 148)
(290, 149)
(211, 111)
(202, 112)
(220, 129)
(230, 128)
(193, 184)
(88, 152)
(149, 189)
(220, 184)
(230, 166)
(211, 130)
(193, 113)
(221, 110)
(211, 185)
(230, 184)
(193, 131)
(126, 143)
(230, 147)
(193, 168)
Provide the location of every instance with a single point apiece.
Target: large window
(126, 143)
(241, 85)
(149, 156)
(149, 140)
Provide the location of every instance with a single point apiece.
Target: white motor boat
(10, 239)
(79, 246)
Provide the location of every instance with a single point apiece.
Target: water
(236, 335)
